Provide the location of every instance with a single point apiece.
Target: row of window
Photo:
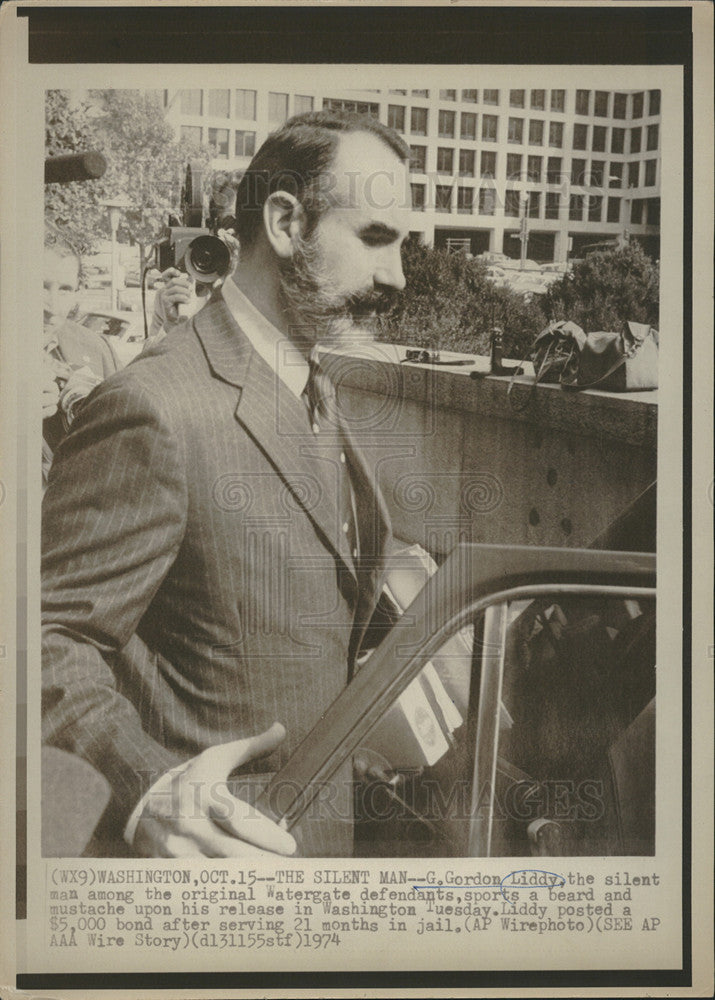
(643, 211)
(601, 103)
(580, 207)
(599, 172)
(486, 199)
(468, 121)
(241, 104)
(516, 132)
(594, 175)
(244, 107)
(219, 105)
(359, 107)
(467, 96)
(219, 138)
(535, 132)
(618, 138)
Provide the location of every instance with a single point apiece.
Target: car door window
(528, 729)
(514, 738)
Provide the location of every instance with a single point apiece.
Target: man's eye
(373, 241)
(378, 236)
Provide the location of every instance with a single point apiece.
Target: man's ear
(283, 220)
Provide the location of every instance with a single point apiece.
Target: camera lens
(202, 259)
(207, 257)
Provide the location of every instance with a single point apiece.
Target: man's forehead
(59, 268)
(366, 174)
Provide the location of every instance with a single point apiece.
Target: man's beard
(318, 314)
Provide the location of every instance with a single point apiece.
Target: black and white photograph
(246, 562)
(353, 436)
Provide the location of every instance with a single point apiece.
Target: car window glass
(98, 324)
(530, 731)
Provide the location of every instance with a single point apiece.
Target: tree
(450, 303)
(607, 289)
(73, 212)
(146, 164)
(221, 187)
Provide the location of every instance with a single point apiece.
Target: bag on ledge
(615, 362)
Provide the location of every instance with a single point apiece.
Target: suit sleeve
(113, 519)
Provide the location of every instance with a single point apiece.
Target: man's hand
(193, 814)
(75, 390)
(176, 292)
(50, 392)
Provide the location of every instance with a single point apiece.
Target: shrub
(606, 290)
(450, 303)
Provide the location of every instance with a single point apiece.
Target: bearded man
(212, 539)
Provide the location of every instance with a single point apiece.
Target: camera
(191, 247)
(204, 257)
(422, 357)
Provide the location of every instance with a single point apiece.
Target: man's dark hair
(294, 157)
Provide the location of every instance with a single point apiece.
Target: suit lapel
(373, 517)
(278, 422)
(374, 527)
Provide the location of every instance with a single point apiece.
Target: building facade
(557, 168)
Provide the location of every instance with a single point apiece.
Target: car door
(509, 711)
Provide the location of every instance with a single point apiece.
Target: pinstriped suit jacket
(196, 582)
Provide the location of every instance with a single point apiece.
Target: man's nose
(389, 272)
(50, 296)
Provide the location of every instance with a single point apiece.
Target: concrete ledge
(461, 459)
(379, 369)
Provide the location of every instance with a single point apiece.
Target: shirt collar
(279, 353)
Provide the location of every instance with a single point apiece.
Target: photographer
(179, 297)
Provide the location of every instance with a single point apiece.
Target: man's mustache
(374, 302)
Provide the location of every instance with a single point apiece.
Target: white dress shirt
(279, 353)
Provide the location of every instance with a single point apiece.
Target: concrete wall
(460, 459)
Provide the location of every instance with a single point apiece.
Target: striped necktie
(320, 395)
(326, 423)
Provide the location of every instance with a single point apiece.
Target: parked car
(497, 274)
(514, 264)
(123, 331)
(133, 278)
(95, 275)
(509, 712)
(97, 270)
(556, 267)
(491, 257)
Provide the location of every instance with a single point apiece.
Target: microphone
(74, 167)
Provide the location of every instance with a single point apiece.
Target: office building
(566, 168)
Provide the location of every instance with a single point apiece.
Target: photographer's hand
(190, 812)
(175, 293)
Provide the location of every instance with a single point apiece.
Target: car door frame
(473, 578)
